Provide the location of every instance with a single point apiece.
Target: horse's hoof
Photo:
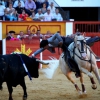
(84, 94)
(80, 93)
(94, 86)
(24, 97)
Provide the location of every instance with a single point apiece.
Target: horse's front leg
(94, 86)
(82, 84)
(68, 75)
(91, 77)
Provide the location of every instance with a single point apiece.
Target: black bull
(12, 71)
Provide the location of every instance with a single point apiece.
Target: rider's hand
(32, 55)
(60, 43)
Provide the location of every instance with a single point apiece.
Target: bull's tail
(51, 69)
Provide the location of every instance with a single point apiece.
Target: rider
(59, 41)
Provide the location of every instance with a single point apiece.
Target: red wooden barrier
(33, 44)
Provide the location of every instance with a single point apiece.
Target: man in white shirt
(2, 11)
(48, 16)
(52, 8)
(16, 3)
(39, 15)
(57, 15)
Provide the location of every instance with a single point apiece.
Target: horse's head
(80, 44)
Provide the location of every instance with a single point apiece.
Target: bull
(13, 72)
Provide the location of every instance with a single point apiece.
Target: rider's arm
(38, 51)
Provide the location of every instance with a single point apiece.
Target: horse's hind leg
(68, 75)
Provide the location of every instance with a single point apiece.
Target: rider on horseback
(61, 42)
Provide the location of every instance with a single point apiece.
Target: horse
(85, 60)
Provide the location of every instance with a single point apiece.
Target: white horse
(86, 62)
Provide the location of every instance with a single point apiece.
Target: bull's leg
(10, 89)
(1, 88)
(24, 89)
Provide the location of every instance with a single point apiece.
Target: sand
(58, 88)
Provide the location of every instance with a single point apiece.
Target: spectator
(2, 11)
(3, 2)
(39, 16)
(47, 3)
(52, 8)
(8, 2)
(33, 16)
(29, 35)
(57, 15)
(28, 32)
(38, 5)
(48, 16)
(47, 35)
(44, 9)
(30, 6)
(17, 2)
(19, 9)
(11, 13)
(23, 16)
(38, 34)
(10, 35)
(21, 35)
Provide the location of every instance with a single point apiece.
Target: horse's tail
(52, 67)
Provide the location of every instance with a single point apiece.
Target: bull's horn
(44, 63)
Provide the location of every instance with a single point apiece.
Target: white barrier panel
(0, 30)
(69, 28)
(4, 46)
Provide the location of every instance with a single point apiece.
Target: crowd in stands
(29, 10)
(11, 35)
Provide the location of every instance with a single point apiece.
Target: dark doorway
(83, 13)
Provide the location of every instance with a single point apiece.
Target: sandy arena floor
(58, 88)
